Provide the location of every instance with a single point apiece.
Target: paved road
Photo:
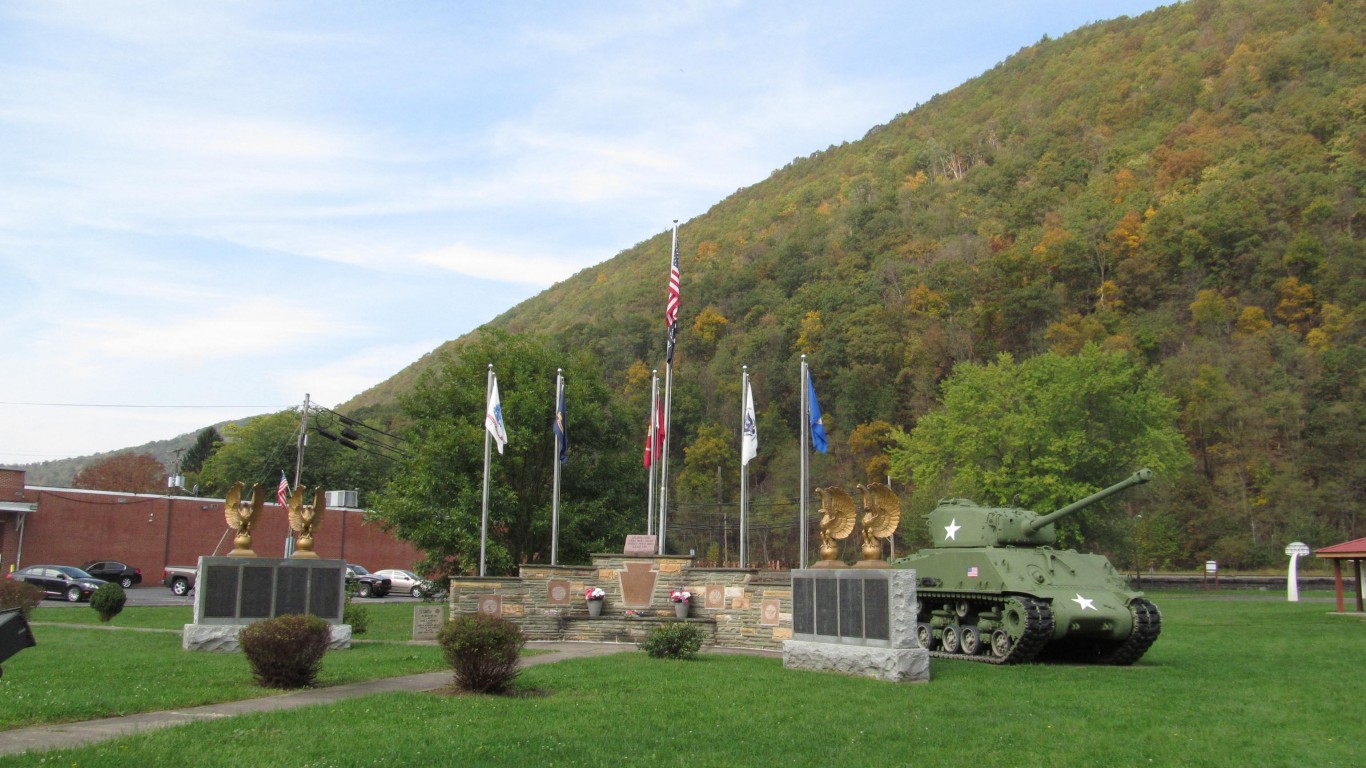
(156, 594)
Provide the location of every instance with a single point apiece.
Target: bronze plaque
(641, 544)
(638, 584)
(716, 597)
(557, 592)
(770, 613)
(491, 604)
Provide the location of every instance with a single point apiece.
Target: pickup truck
(180, 578)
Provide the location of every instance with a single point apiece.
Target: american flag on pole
(282, 490)
(671, 305)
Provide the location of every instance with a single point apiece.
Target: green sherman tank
(994, 589)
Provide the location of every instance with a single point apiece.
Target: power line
(135, 405)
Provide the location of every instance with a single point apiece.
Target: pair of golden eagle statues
(304, 519)
(881, 515)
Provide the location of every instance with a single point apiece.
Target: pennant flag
(282, 490)
(749, 431)
(818, 440)
(561, 435)
(654, 436)
(493, 418)
(671, 304)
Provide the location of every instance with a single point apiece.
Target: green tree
(205, 443)
(435, 496)
(1043, 433)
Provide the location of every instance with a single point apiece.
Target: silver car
(406, 581)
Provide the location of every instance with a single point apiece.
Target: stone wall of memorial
(736, 607)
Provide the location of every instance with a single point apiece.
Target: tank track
(1038, 627)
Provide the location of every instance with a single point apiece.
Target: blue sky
(208, 210)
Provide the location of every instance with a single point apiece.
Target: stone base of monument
(222, 638)
(897, 665)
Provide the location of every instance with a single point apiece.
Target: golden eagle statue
(305, 519)
(838, 514)
(242, 517)
(881, 515)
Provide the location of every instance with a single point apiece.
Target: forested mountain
(1185, 185)
(1182, 188)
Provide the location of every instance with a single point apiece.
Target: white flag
(493, 418)
(749, 432)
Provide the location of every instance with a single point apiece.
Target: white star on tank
(951, 530)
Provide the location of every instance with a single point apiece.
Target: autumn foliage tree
(129, 472)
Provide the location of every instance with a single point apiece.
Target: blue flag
(818, 440)
(561, 431)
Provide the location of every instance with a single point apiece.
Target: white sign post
(1292, 583)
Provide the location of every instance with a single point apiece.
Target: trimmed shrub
(108, 601)
(286, 651)
(675, 640)
(21, 595)
(358, 616)
(483, 650)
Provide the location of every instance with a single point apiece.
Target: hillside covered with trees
(1173, 199)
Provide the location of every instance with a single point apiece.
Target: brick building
(69, 526)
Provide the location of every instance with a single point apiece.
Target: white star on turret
(1085, 603)
(951, 530)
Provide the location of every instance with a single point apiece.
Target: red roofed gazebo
(1355, 551)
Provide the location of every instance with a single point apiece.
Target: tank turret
(964, 523)
(994, 588)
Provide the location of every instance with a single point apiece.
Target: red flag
(282, 491)
(654, 436)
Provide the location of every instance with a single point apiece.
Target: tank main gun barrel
(1137, 478)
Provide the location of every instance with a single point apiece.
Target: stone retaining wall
(741, 608)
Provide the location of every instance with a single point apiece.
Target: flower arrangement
(594, 593)
(680, 596)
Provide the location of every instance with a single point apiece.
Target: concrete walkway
(65, 735)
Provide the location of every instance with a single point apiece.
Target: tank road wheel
(925, 635)
(962, 609)
(971, 641)
(1001, 643)
(951, 639)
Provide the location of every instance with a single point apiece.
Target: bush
(286, 651)
(675, 640)
(108, 601)
(483, 650)
(358, 616)
(19, 594)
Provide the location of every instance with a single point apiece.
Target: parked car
(112, 570)
(66, 581)
(180, 578)
(406, 581)
(366, 584)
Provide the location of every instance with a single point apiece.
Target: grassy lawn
(1230, 683)
(388, 621)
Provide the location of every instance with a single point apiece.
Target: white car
(406, 581)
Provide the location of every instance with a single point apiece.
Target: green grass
(1229, 683)
(388, 621)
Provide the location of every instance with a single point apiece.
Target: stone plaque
(851, 608)
(491, 604)
(827, 607)
(782, 633)
(716, 597)
(219, 585)
(641, 544)
(427, 621)
(324, 595)
(770, 613)
(638, 584)
(803, 606)
(557, 592)
(876, 621)
(258, 589)
(291, 591)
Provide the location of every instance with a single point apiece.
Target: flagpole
(668, 395)
(555, 459)
(805, 494)
(484, 519)
(652, 446)
(744, 465)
